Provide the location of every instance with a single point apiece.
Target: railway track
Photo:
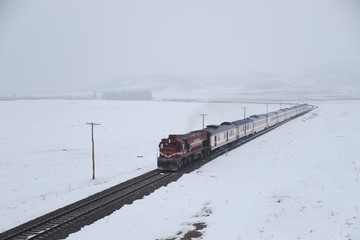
(60, 223)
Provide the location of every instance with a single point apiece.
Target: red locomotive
(179, 150)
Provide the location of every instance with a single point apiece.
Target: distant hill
(311, 83)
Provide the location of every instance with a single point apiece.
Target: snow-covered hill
(319, 83)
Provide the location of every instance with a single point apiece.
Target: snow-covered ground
(299, 181)
(45, 147)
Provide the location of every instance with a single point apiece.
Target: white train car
(271, 119)
(259, 122)
(281, 115)
(221, 135)
(244, 128)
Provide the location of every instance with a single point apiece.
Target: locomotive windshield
(168, 145)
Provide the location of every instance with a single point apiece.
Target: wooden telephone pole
(203, 119)
(93, 151)
(244, 111)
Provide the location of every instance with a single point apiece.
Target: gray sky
(59, 45)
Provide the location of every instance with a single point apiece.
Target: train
(179, 150)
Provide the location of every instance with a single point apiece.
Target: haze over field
(53, 47)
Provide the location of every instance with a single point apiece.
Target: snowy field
(45, 147)
(300, 181)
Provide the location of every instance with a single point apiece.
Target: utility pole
(244, 111)
(280, 104)
(93, 151)
(203, 119)
(267, 108)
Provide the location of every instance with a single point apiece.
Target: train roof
(242, 122)
(213, 129)
(257, 117)
(187, 135)
(271, 114)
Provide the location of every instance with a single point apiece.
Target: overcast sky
(59, 45)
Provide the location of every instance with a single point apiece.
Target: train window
(161, 146)
(170, 144)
